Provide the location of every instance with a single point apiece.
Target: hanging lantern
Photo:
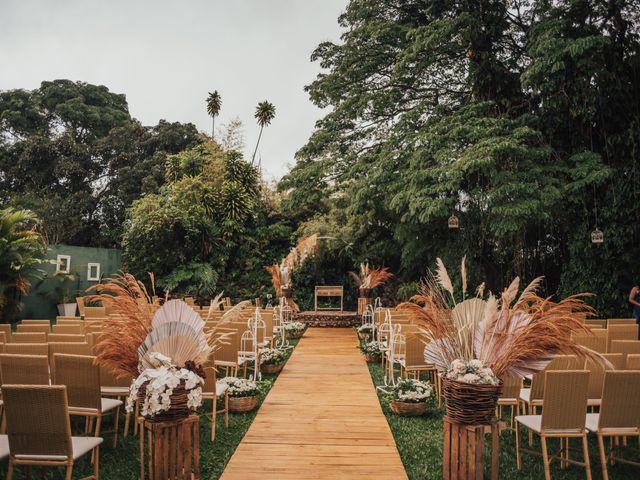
(453, 222)
(597, 236)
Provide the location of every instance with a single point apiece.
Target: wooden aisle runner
(321, 420)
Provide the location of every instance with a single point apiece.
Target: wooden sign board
(329, 291)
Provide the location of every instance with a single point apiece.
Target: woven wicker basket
(272, 368)
(242, 404)
(406, 409)
(470, 403)
(372, 357)
(178, 409)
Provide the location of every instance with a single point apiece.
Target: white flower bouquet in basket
(295, 329)
(409, 397)
(243, 393)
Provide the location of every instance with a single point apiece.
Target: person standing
(634, 300)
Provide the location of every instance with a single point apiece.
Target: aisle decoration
(369, 278)
(485, 339)
(372, 351)
(364, 331)
(409, 397)
(295, 329)
(243, 394)
(272, 360)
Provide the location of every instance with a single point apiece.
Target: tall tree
(214, 104)
(265, 112)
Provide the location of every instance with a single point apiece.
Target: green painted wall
(47, 292)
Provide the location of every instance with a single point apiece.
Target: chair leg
(115, 433)
(226, 410)
(585, 450)
(603, 457)
(518, 459)
(69, 473)
(96, 464)
(127, 421)
(531, 410)
(10, 471)
(214, 413)
(545, 458)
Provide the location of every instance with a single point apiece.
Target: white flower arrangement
(472, 371)
(411, 391)
(272, 356)
(295, 326)
(240, 387)
(159, 384)
(371, 348)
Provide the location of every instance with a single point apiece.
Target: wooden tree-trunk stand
(464, 450)
(173, 449)
(363, 303)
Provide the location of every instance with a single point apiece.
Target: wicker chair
(92, 312)
(39, 430)
(596, 376)
(633, 362)
(35, 322)
(66, 348)
(6, 329)
(69, 329)
(511, 387)
(563, 416)
(82, 379)
(619, 415)
(36, 337)
(227, 355)
(621, 321)
(625, 347)
(24, 369)
(621, 332)
(28, 328)
(118, 387)
(27, 348)
(66, 338)
(596, 340)
(212, 391)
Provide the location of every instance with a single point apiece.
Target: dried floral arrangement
(513, 334)
(369, 278)
(281, 274)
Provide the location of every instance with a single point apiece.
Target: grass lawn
(419, 441)
(123, 463)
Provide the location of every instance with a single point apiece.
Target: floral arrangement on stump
(409, 397)
(475, 341)
(372, 351)
(369, 278)
(295, 329)
(272, 360)
(164, 351)
(243, 394)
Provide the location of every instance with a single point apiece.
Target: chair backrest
(68, 329)
(209, 380)
(559, 362)
(81, 306)
(596, 323)
(37, 420)
(511, 386)
(414, 356)
(625, 347)
(619, 407)
(27, 348)
(28, 328)
(69, 348)
(35, 322)
(24, 369)
(565, 400)
(621, 332)
(6, 329)
(633, 362)
(621, 321)
(34, 337)
(109, 379)
(597, 372)
(81, 377)
(66, 338)
(597, 343)
(69, 321)
(94, 312)
(228, 351)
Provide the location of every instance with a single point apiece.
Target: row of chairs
(602, 339)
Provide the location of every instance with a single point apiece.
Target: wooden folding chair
(596, 376)
(619, 415)
(69, 348)
(511, 387)
(24, 369)
(563, 417)
(39, 430)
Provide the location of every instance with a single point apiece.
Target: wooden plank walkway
(321, 419)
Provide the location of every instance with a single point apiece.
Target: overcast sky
(166, 55)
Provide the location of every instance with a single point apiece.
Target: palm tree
(265, 112)
(214, 103)
(20, 245)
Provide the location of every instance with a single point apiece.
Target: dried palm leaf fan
(176, 332)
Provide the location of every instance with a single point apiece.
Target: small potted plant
(272, 360)
(409, 397)
(243, 394)
(364, 331)
(66, 307)
(372, 351)
(295, 329)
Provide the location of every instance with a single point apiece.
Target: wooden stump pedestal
(463, 450)
(173, 449)
(363, 303)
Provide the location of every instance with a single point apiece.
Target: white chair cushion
(109, 404)
(221, 388)
(532, 422)
(82, 445)
(525, 394)
(592, 425)
(120, 391)
(4, 446)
